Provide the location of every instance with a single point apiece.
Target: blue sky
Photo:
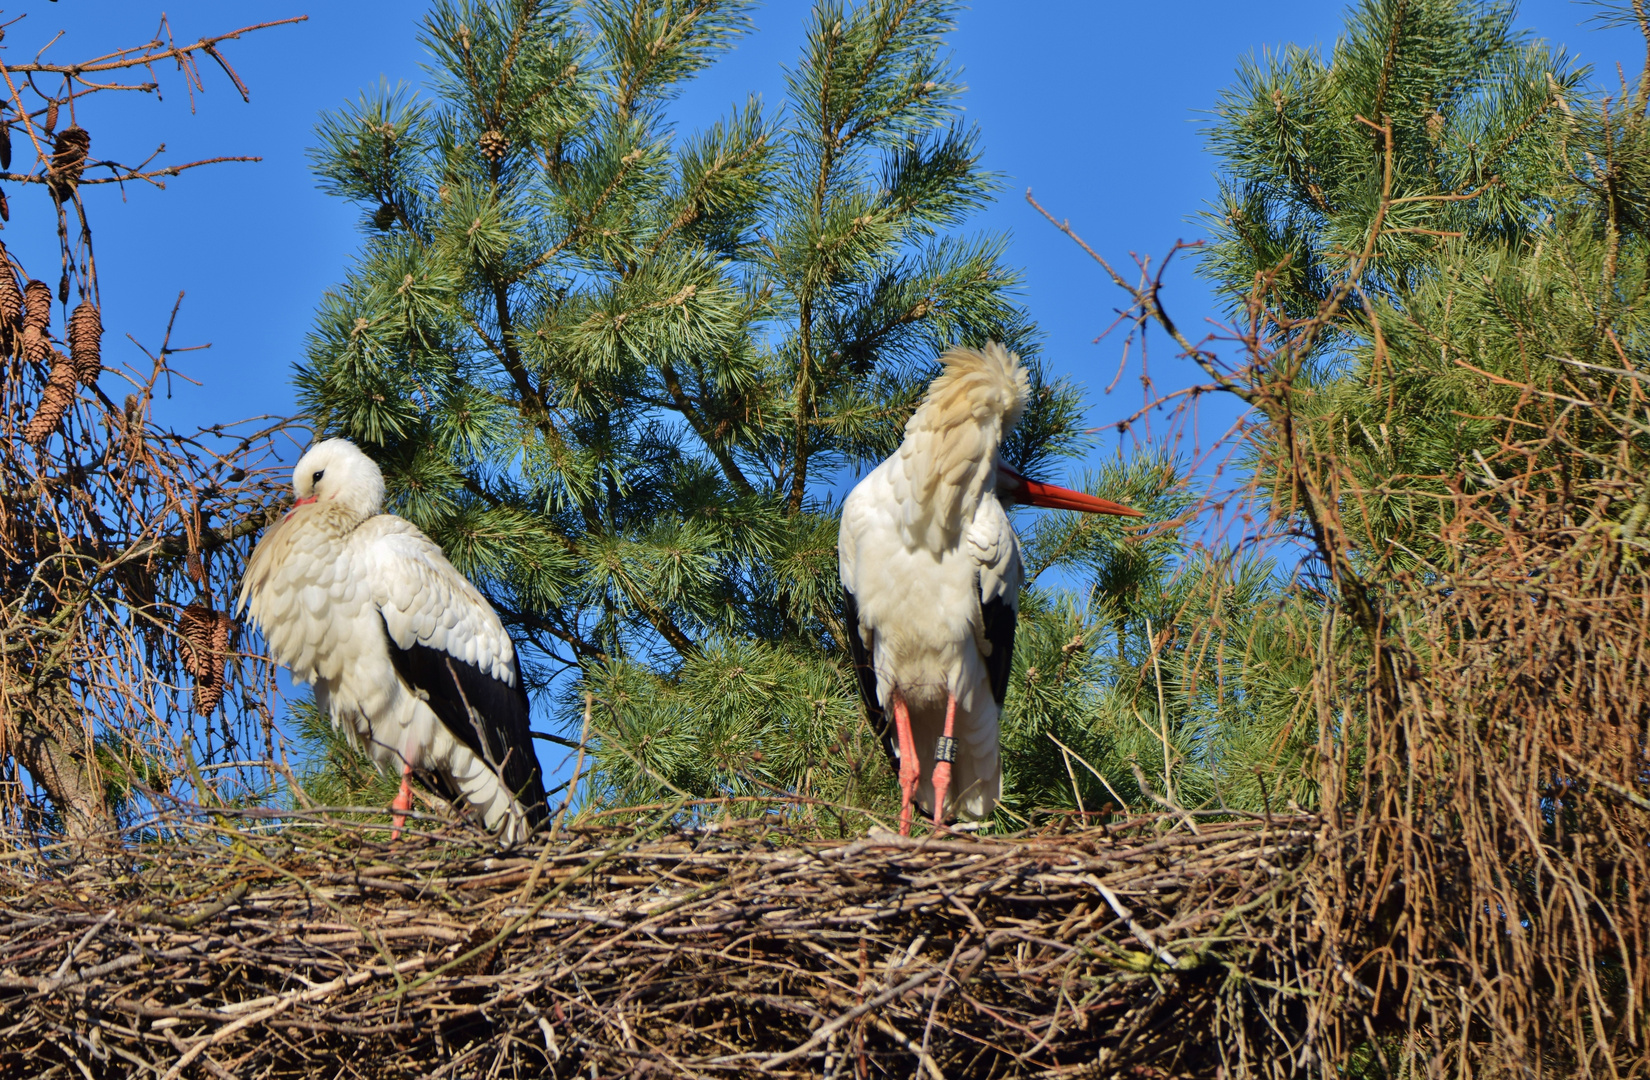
(1097, 105)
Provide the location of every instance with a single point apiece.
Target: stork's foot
(942, 784)
(909, 770)
(402, 803)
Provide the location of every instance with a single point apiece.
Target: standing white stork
(931, 574)
(406, 656)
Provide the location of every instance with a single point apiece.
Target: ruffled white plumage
(330, 589)
(923, 544)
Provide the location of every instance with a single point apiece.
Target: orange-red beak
(1018, 489)
(297, 503)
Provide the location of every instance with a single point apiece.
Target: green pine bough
(620, 371)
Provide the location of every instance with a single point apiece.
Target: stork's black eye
(316, 479)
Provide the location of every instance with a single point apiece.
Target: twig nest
(86, 342)
(205, 632)
(69, 154)
(55, 399)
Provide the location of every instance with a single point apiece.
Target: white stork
(406, 656)
(931, 575)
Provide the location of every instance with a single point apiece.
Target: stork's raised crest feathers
(946, 463)
(931, 577)
(406, 656)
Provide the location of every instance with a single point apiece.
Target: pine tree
(1484, 239)
(617, 370)
(620, 373)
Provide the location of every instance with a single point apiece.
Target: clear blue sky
(1096, 104)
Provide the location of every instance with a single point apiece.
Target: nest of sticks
(1154, 947)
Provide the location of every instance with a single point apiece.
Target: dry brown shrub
(109, 524)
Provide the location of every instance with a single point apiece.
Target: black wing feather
(487, 715)
(999, 617)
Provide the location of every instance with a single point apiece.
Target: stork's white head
(336, 471)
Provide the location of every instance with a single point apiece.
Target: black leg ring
(945, 749)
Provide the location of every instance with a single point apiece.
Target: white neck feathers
(948, 460)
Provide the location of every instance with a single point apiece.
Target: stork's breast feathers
(314, 591)
(300, 593)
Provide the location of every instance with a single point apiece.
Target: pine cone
(384, 218)
(55, 398)
(205, 634)
(37, 321)
(493, 144)
(37, 306)
(11, 297)
(86, 342)
(69, 160)
(37, 347)
(51, 115)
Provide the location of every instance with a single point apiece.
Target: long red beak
(1020, 490)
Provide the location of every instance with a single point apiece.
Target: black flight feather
(487, 715)
(998, 619)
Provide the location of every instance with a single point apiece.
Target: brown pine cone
(86, 342)
(69, 160)
(205, 634)
(55, 398)
(37, 306)
(37, 321)
(493, 144)
(11, 297)
(37, 347)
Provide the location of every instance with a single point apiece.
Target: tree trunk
(50, 749)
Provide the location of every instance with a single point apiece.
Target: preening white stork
(406, 656)
(931, 574)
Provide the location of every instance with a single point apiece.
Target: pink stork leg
(943, 753)
(402, 803)
(909, 770)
